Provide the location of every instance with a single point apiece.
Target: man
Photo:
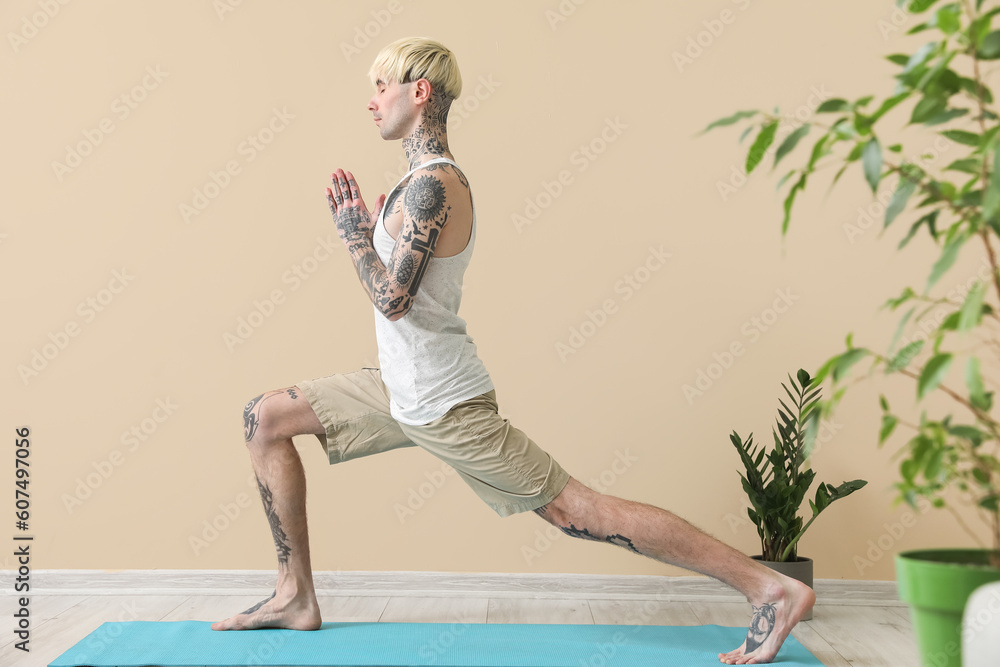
(432, 390)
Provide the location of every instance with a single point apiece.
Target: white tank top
(428, 361)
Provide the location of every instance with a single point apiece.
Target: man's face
(393, 109)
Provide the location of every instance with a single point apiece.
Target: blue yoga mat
(187, 643)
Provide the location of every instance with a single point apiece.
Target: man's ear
(421, 91)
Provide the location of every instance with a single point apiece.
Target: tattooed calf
(280, 537)
(617, 539)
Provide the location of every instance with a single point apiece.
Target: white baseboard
(431, 584)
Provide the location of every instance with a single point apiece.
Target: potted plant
(947, 457)
(776, 483)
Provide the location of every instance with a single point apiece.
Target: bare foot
(774, 616)
(294, 613)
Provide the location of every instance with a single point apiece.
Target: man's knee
(576, 505)
(259, 419)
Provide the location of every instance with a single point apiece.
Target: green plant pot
(800, 569)
(936, 584)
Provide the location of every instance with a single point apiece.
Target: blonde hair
(413, 58)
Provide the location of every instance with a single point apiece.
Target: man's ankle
(295, 584)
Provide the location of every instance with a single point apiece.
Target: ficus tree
(956, 205)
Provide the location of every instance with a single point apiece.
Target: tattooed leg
(269, 422)
(778, 601)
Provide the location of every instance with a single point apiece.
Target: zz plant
(776, 481)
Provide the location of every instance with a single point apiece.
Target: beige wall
(536, 91)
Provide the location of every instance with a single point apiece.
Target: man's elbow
(398, 307)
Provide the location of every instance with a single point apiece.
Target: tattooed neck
(430, 138)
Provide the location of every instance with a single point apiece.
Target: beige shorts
(502, 465)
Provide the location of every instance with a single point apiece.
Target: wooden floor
(855, 623)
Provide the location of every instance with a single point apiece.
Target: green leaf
(833, 105)
(904, 356)
(894, 303)
(927, 108)
(899, 328)
(972, 309)
(948, 19)
(902, 193)
(933, 373)
(729, 120)
(789, 143)
(789, 200)
(888, 424)
(944, 116)
(962, 137)
(930, 219)
(915, 6)
(969, 165)
(871, 161)
(970, 86)
(948, 256)
(886, 106)
(990, 48)
(932, 468)
(991, 200)
(784, 178)
(919, 56)
(974, 381)
(846, 360)
(819, 149)
(760, 145)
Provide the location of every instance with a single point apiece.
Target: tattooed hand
(350, 213)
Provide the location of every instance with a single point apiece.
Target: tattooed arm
(392, 288)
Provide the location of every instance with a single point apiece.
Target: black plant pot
(800, 569)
